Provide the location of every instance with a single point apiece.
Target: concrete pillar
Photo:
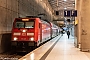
(85, 25)
(77, 26)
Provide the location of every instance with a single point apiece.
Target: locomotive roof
(33, 17)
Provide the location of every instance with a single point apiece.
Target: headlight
(32, 39)
(16, 34)
(24, 31)
(15, 38)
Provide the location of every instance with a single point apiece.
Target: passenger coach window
(19, 25)
(39, 25)
(29, 24)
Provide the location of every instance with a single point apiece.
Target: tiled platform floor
(65, 50)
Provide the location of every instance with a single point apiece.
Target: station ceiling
(62, 4)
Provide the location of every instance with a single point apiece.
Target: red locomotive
(32, 31)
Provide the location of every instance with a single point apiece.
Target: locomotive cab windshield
(24, 24)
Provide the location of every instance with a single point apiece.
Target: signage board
(70, 13)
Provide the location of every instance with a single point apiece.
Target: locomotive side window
(29, 24)
(19, 25)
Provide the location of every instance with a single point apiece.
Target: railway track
(6, 56)
(12, 55)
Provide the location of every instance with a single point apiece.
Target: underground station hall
(44, 30)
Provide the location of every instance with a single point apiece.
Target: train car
(30, 32)
(55, 30)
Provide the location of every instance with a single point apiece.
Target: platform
(59, 48)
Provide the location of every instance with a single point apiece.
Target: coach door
(40, 26)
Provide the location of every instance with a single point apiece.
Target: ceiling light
(65, 0)
(65, 8)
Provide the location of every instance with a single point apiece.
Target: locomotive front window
(29, 24)
(19, 25)
(24, 24)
